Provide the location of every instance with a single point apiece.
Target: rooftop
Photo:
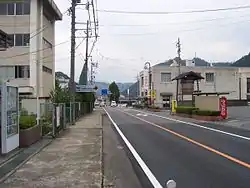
(56, 13)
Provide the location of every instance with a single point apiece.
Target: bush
(27, 121)
(154, 107)
(206, 113)
(24, 112)
(140, 106)
(185, 109)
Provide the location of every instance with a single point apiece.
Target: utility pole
(92, 77)
(178, 46)
(72, 60)
(87, 45)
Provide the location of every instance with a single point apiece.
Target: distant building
(234, 80)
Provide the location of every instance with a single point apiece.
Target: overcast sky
(128, 40)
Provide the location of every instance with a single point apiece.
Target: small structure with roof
(185, 84)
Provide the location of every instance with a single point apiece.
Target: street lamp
(148, 66)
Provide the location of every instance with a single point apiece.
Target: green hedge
(140, 106)
(195, 111)
(27, 121)
(206, 113)
(185, 109)
(154, 107)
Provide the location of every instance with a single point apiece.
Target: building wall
(225, 80)
(15, 25)
(48, 68)
(38, 54)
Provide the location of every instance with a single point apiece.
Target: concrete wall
(30, 105)
(207, 103)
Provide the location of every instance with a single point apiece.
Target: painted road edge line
(197, 125)
(226, 156)
(137, 157)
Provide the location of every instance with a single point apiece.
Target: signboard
(223, 107)
(187, 87)
(104, 92)
(85, 88)
(174, 105)
(58, 115)
(9, 118)
(153, 94)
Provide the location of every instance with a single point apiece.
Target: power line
(173, 23)
(27, 53)
(184, 30)
(175, 12)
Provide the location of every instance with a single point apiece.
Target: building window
(22, 39)
(209, 77)
(11, 36)
(21, 8)
(47, 43)
(46, 69)
(142, 81)
(165, 77)
(22, 71)
(10, 9)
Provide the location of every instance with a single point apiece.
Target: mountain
(200, 62)
(104, 85)
(64, 80)
(242, 62)
(133, 90)
(60, 74)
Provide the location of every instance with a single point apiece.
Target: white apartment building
(30, 61)
(234, 80)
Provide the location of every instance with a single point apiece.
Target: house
(232, 80)
(29, 62)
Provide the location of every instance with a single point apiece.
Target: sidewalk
(72, 160)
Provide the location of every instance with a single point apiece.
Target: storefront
(9, 115)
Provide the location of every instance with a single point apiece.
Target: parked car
(113, 104)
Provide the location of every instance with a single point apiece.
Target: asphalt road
(195, 157)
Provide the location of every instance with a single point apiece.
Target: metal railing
(56, 117)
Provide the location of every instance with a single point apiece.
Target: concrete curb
(10, 157)
(21, 164)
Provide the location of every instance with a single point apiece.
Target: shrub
(46, 128)
(27, 121)
(24, 112)
(185, 109)
(154, 107)
(140, 106)
(206, 113)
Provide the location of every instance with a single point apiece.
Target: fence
(57, 117)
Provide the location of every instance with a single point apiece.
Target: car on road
(102, 104)
(113, 104)
(97, 103)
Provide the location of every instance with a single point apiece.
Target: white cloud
(216, 36)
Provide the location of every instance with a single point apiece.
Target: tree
(59, 94)
(83, 80)
(115, 92)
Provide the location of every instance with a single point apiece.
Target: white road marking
(142, 115)
(197, 125)
(142, 164)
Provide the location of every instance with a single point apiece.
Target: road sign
(85, 88)
(104, 92)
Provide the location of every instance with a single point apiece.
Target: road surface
(194, 155)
